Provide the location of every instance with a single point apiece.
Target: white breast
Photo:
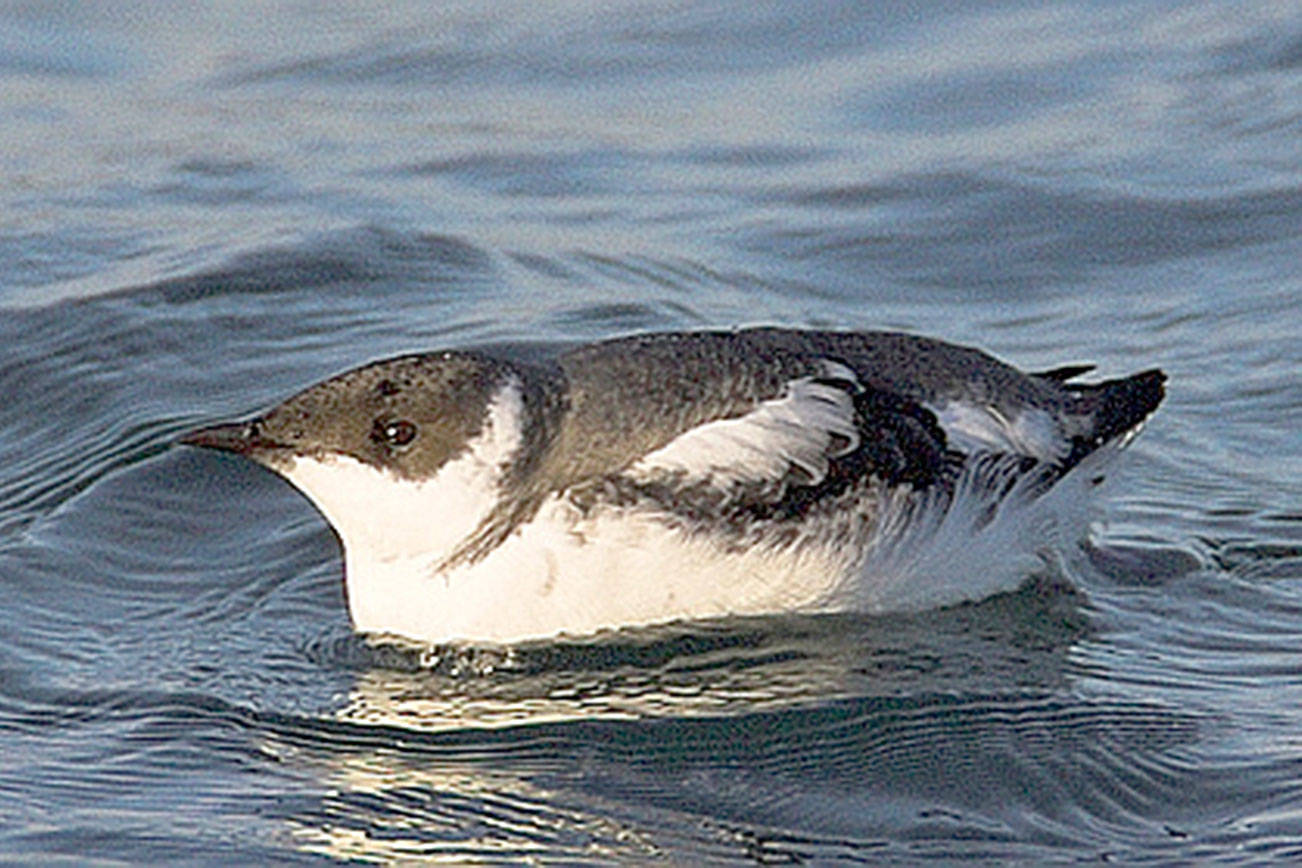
(565, 573)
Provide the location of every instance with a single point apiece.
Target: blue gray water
(205, 209)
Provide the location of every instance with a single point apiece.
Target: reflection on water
(725, 668)
(669, 743)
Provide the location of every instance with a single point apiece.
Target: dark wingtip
(1146, 390)
(1126, 403)
(1116, 407)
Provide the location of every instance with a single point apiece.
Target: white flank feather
(812, 422)
(985, 428)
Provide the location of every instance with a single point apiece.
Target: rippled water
(204, 210)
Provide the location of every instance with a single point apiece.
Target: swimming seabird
(659, 477)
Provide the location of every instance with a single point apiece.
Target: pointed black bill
(242, 438)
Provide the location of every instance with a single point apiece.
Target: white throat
(395, 530)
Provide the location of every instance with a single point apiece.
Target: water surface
(203, 210)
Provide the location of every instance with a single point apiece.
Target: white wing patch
(985, 428)
(811, 423)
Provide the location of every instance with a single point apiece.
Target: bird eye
(395, 433)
